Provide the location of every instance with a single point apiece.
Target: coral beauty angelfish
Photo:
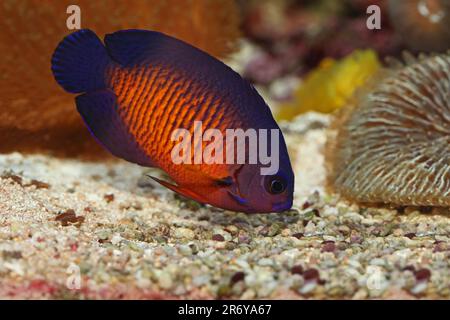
(139, 86)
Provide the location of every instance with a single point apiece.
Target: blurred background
(302, 55)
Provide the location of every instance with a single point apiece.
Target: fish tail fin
(79, 62)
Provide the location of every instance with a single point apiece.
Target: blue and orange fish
(139, 86)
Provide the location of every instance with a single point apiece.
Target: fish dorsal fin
(128, 47)
(133, 47)
(99, 111)
(149, 49)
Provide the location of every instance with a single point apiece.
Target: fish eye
(276, 185)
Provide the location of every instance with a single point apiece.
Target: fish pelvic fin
(181, 190)
(240, 200)
(79, 62)
(99, 111)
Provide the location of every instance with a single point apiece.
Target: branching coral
(35, 114)
(393, 145)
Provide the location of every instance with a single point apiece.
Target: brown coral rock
(35, 113)
(393, 146)
(423, 25)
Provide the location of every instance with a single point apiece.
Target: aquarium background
(77, 223)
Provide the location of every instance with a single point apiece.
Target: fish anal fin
(99, 111)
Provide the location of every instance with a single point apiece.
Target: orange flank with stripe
(154, 101)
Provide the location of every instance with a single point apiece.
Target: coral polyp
(423, 25)
(393, 145)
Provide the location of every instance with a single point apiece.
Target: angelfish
(140, 86)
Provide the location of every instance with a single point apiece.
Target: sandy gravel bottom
(71, 229)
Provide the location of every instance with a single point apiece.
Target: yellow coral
(332, 84)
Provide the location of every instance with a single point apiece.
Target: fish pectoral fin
(99, 111)
(180, 190)
(225, 182)
(208, 179)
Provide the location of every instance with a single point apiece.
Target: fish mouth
(281, 206)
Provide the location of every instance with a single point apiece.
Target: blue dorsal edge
(99, 111)
(131, 47)
(127, 47)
